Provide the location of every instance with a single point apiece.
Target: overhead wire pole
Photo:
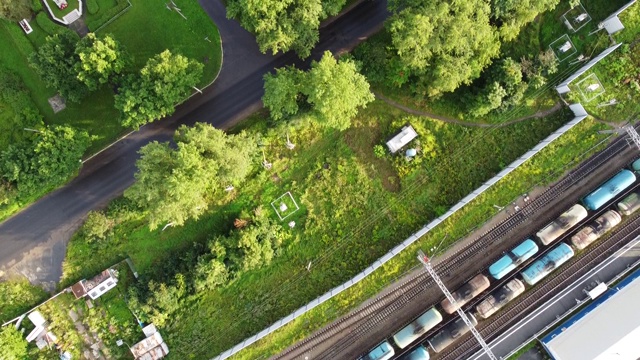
(424, 259)
(633, 134)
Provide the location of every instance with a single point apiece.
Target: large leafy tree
(15, 10)
(282, 25)
(12, 345)
(165, 80)
(47, 158)
(99, 60)
(55, 61)
(334, 90)
(511, 15)
(176, 184)
(444, 43)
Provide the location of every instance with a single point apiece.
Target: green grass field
(354, 208)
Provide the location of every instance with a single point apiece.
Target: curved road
(33, 242)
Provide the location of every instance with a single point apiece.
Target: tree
(55, 61)
(99, 60)
(334, 90)
(505, 88)
(175, 185)
(283, 25)
(48, 158)
(444, 43)
(282, 92)
(12, 345)
(97, 225)
(512, 15)
(165, 80)
(15, 10)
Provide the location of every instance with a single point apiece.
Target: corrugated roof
(607, 329)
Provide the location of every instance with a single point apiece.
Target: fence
(579, 113)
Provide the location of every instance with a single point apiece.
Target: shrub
(92, 6)
(36, 6)
(379, 151)
(97, 226)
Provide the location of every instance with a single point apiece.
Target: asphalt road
(33, 242)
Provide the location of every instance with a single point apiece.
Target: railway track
(359, 322)
(532, 299)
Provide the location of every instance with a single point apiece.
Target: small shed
(402, 138)
(151, 348)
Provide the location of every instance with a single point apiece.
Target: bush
(92, 6)
(42, 19)
(97, 226)
(379, 151)
(107, 15)
(36, 6)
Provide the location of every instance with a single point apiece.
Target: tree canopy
(164, 81)
(46, 158)
(15, 10)
(511, 15)
(444, 43)
(99, 60)
(55, 61)
(176, 184)
(12, 344)
(283, 25)
(335, 90)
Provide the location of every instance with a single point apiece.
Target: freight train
(530, 275)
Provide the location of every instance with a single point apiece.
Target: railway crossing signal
(424, 259)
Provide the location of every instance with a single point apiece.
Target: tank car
(545, 265)
(417, 328)
(450, 333)
(595, 230)
(513, 258)
(609, 189)
(465, 293)
(420, 353)
(630, 204)
(562, 224)
(499, 298)
(384, 351)
(636, 165)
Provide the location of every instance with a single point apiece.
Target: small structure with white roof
(152, 347)
(96, 286)
(402, 138)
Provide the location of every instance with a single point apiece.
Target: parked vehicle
(513, 258)
(545, 265)
(417, 328)
(607, 191)
(450, 333)
(562, 224)
(465, 293)
(595, 230)
(499, 298)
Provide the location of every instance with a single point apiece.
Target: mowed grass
(148, 28)
(354, 208)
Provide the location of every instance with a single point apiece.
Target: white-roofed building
(402, 138)
(607, 329)
(151, 348)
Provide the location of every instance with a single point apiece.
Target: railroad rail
(594, 254)
(370, 316)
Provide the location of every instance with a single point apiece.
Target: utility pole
(629, 129)
(424, 259)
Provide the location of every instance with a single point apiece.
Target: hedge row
(36, 5)
(107, 15)
(92, 6)
(43, 20)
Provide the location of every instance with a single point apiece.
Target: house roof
(78, 290)
(151, 348)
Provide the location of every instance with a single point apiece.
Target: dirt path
(537, 115)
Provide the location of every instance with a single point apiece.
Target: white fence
(580, 114)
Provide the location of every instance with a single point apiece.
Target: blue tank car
(418, 354)
(384, 351)
(513, 258)
(609, 189)
(636, 165)
(545, 265)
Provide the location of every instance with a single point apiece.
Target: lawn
(354, 208)
(60, 13)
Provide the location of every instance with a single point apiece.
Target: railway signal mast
(631, 131)
(424, 259)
